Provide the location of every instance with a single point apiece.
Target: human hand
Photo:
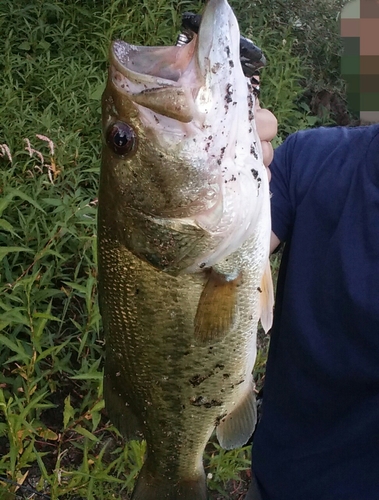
(267, 127)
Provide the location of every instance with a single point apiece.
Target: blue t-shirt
(318, 438)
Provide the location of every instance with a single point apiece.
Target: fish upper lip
(165, 65)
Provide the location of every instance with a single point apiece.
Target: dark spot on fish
(231, 63)
(226, 375)
(219, 419)
(198, 379)
(240, 382)
(213, 403)
(253, 152)
(202, 401)
(229, 93)
(199, 401)
(156, 118)
(227, 50)
(185, 353)
(254, 172)
(219, 162)
(215, 67)
(202, 265)
(219, 366)
(137, 291)
(259, 289)
(210, 138)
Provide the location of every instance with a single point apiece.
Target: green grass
(55, 438)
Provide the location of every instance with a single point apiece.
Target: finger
(268, 174)
(268, 153)
(267, 125)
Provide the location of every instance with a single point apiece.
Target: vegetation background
(55, 438)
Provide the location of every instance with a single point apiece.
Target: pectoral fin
(217, 309)
(267, 299)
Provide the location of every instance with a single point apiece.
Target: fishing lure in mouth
(251, 57)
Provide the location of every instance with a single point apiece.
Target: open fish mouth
(180, 82)
(152, 64)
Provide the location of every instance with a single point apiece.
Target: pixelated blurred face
(360, 60)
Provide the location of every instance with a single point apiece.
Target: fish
(183, 251)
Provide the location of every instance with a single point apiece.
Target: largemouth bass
(183, 228)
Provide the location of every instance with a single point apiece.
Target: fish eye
(121, 138)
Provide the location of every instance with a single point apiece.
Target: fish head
(180, 141)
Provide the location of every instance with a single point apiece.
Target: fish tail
(150, 487)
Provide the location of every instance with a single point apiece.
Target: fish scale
(183, 271)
